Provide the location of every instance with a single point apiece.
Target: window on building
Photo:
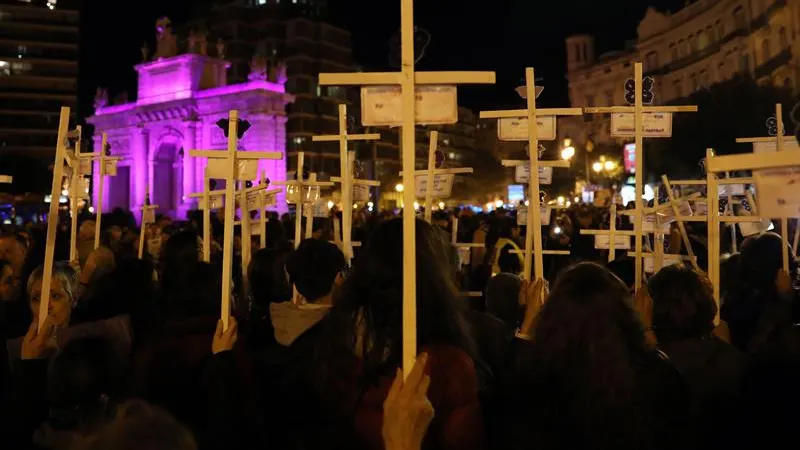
(765, 51)
(693, 82)
(720, 30)
(704, 79)
(678, 88)
(577, 50)
(744, 63)
(692, 43)
(787, 83)
(738, 18)
(5, 68)
(681, 48)
(721, 71)
(651, 61)
(22, 50)
(673, 52)
(590, 100)
(783, 41)
(702, 40)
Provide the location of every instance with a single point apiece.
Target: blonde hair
(62, 272)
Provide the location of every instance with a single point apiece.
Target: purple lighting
(179, 101)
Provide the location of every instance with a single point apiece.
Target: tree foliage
(732, 109)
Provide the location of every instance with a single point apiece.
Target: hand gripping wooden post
(533, 235)
(639, 110)
(148, 217)
(346, 179)
(52, 216)
(231, 158)
(407, 80)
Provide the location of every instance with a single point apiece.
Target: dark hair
(587, 343)
(199, 294)
(313, 268)
(761, 260)
(267, 275)
(137, 426)
(178, 255)
(683, 304)
(4, 263)
(508, 262)
(369, 306)
(502, 298)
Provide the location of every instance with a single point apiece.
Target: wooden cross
(430, 175)
(612, 233)
(346, 178)
(297, 186)
(231, 158)
(405, 114)
(52, 216)
(457, 245)
(148, 216)
(547, 211)
(533, 235)
(252, 199)
(206, 204)
(111, 162)
(76, 192)
(638, 111)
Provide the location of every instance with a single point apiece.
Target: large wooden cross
(428, 182)
(403, 109)
(526, 123)
(148, 217)
(612, 233)
(231, 159)
(76, 187)
(254, 198)
(107, 166)
(209, 200)
(346, 178)
(636, 115)
(52, 216)
(295, 187)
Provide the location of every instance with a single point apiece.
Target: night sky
(500, 35)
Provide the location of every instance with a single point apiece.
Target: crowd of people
(133, 355)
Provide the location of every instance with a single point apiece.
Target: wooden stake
(75, 195)
(146, 208)
(52, 216)
(408, 79)
(434, 142)
(533, 236)
(102, 182)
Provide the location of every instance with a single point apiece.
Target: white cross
(262, 194)
(52, 216)
(346, 179)
(431, 172)
(638, 110)
(231, 173)
(107, 164)
(533, 235)
(148, 216)
(408, 79)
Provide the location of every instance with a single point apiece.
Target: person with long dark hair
(587, 378)
(363, 342)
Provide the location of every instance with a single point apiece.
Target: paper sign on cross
(252, 198)
(640, 121)
(52, 216)
(434, 180)
(405, 109)
(148, 217)
(232, 173)
(612, 233)
(526, 124)
(294, 193)
(346, 162)
(107, 167)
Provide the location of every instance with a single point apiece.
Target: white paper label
(148, 216)
(751, 228)
(216, 201)
(621, 242)
(666, 260)
(523, 173)
(653, 125)
(383, 106)
(522, 215)
(725, 190)
(667, 215)
(360, 193)
(789, 143)
(442, 185)
(516, 129)
(778, 192)
(649, 225)
(111, 168)
(218, 168)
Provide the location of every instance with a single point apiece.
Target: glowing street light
(567, 153)
(609, 166)
(597, 167)
(398, 187)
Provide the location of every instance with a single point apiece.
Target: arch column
(190, 184)
(141, 172)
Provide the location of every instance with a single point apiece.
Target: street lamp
(597, 166)
(609, 166)
(567, 153)
(399, 187)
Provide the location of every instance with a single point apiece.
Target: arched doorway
(166, 177)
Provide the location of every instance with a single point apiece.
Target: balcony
(762, 20)
(697, 55)
(771, 65)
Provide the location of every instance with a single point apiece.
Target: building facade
(38, 75)
(180, 99)
(706, 42)
(294, 32)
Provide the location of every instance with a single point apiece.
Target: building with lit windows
(706, 42)
(38, 75)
